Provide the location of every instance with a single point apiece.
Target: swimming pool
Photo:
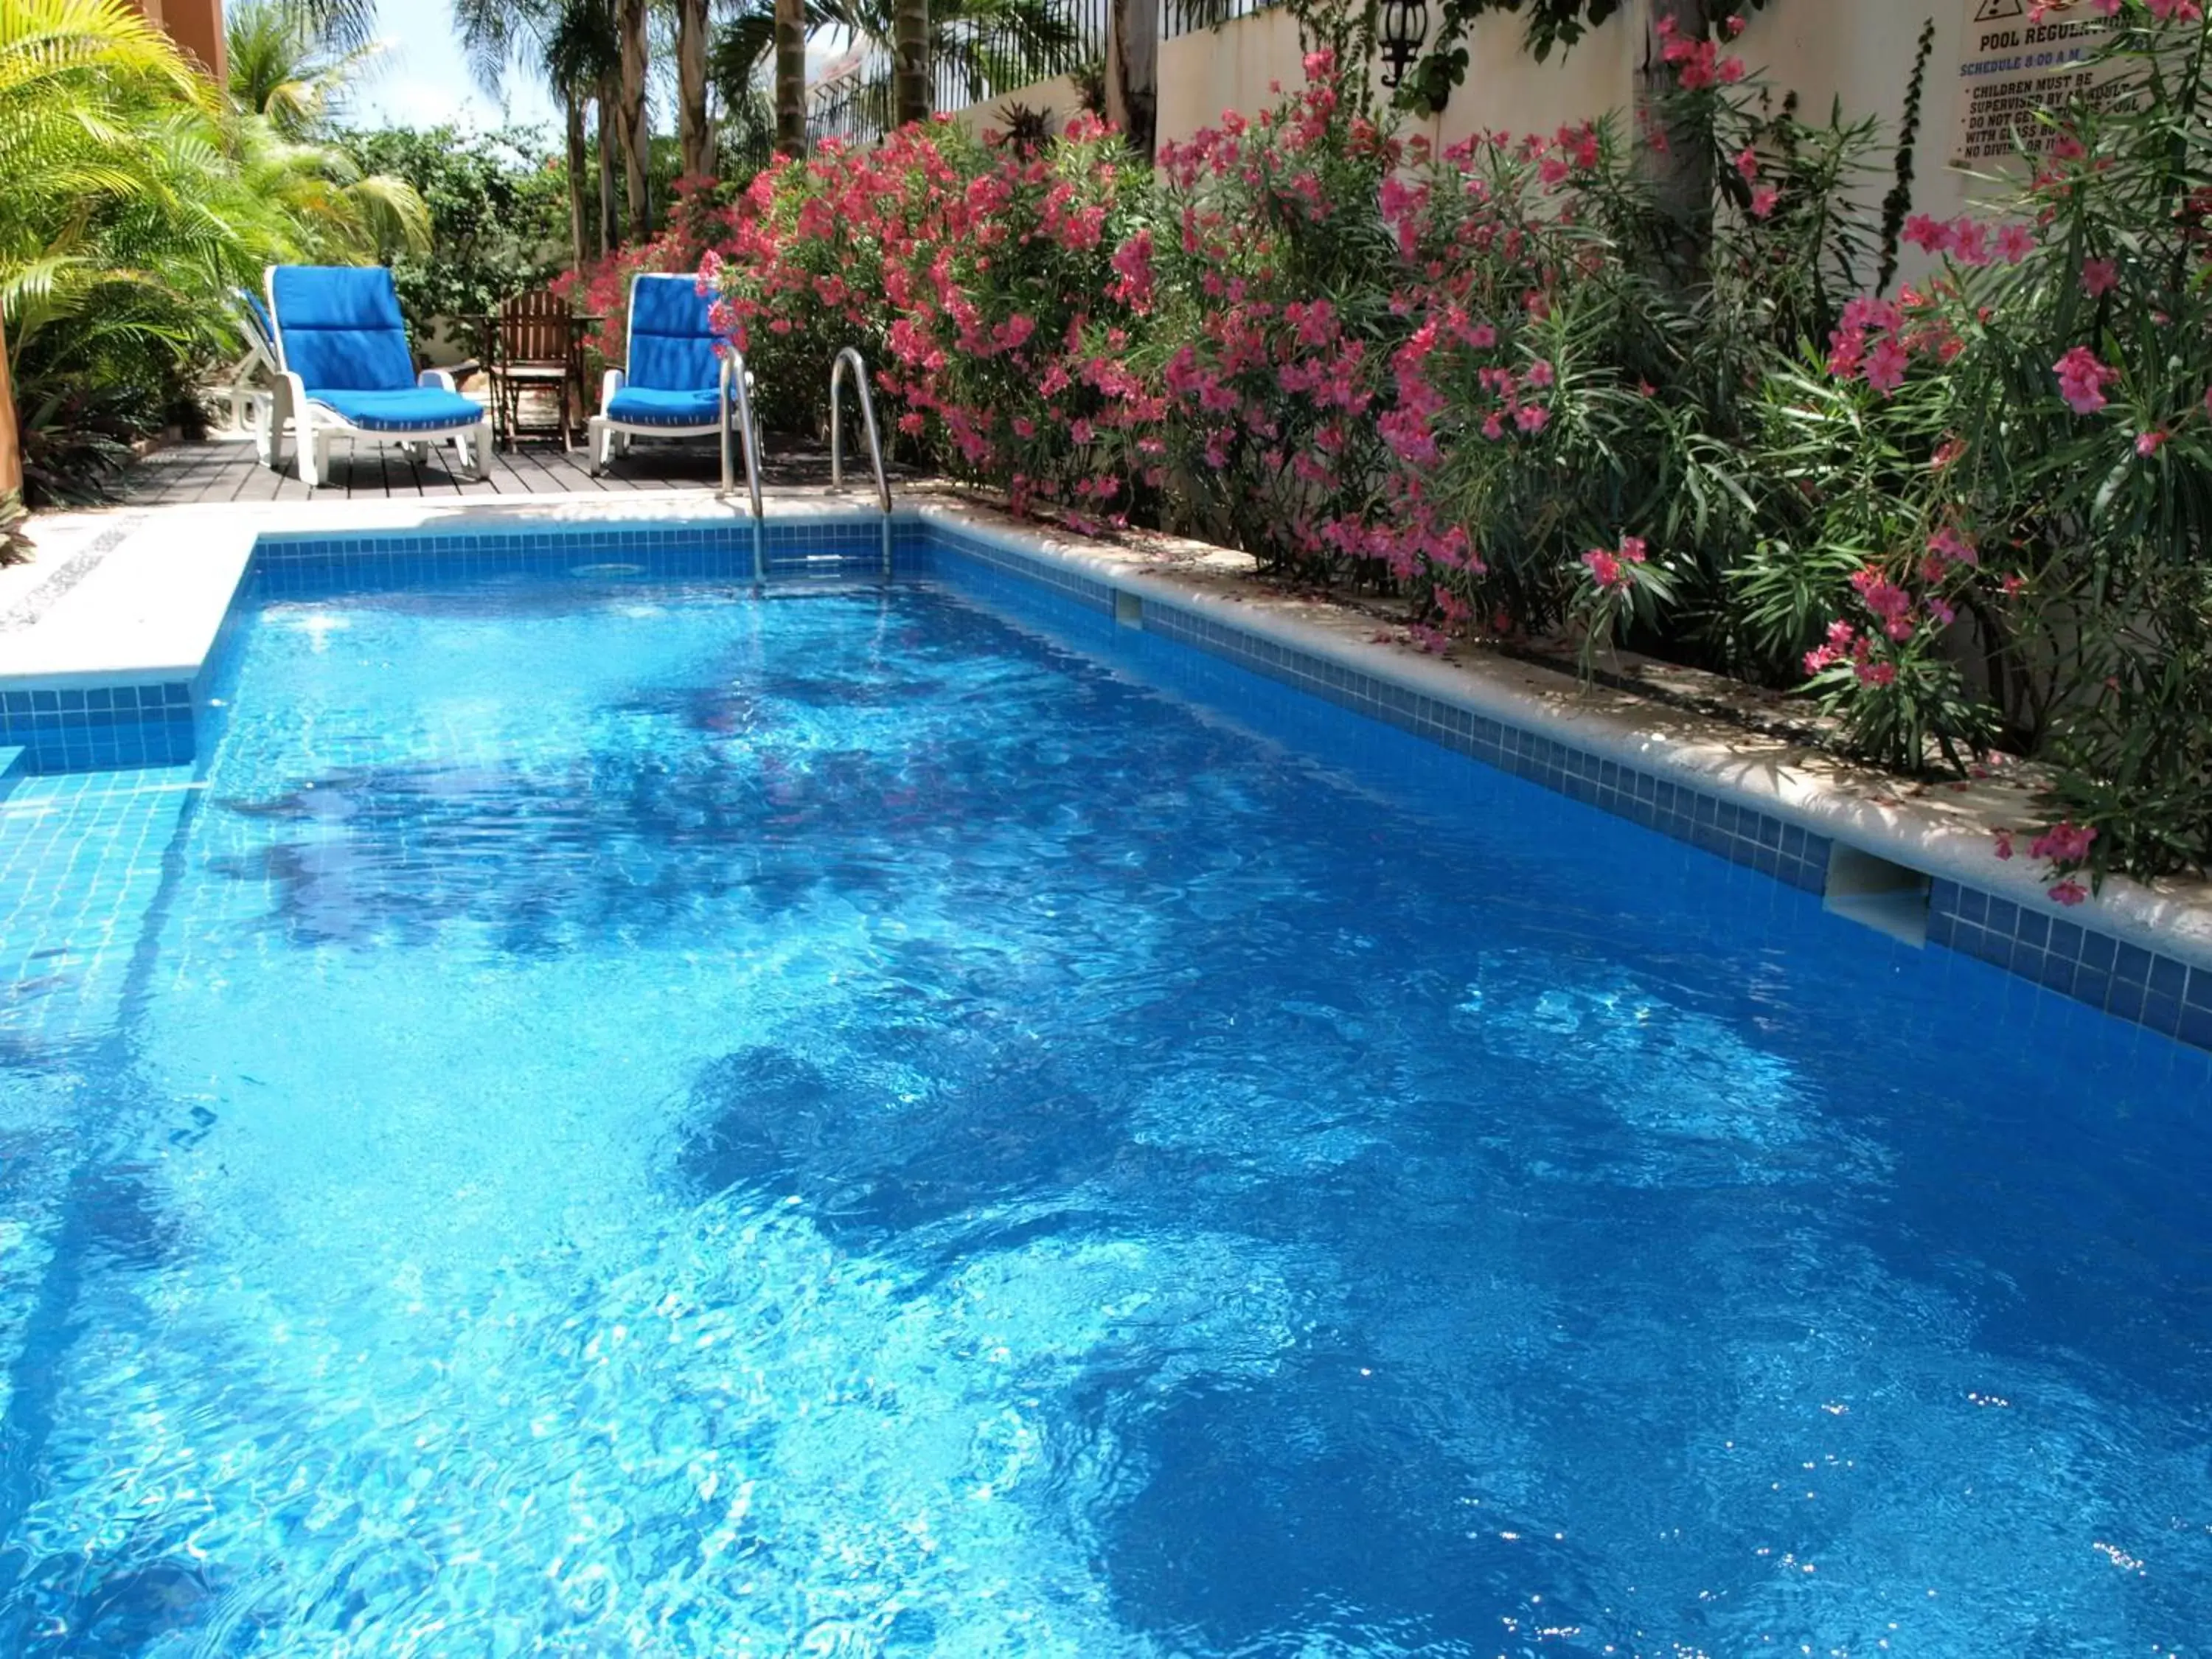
(608, 1114)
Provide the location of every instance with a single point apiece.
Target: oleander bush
(1519, 385)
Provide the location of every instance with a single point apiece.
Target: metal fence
(854, 111)
(1179, 17)
(972, 63)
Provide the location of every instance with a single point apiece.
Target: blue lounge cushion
(341, 329)
(671, 338)
(418, 408)
(649, 406)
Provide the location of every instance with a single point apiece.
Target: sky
(420, 79)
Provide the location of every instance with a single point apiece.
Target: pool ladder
(741, 381)
(748, 440)
(850, 358)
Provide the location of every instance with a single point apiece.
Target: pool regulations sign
(2018, 57)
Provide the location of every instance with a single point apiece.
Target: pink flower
(2171, 11)
(2099, 276)
(2148, 444)
(1929, 235)
(1747, 164)
(2015, 241)
(1606, 571)
(1633, 549)
(1948, 545)
(1532, 418)
(2004, 844)
(2064, 842)
(1970, 242)
(2082, 380)
(1763, 201)
(1877, 674)
(2070, 891)
(1540, 374)
(1886, 364)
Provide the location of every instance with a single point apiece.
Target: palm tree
(630, 114)
(791, 76)
(989, 47)
(103, 124)
(571, 44)
(283, 69)
(695, 134)
(742, 46)
(912, 94)
(287, 84)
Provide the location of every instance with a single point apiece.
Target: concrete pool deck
(138, 596)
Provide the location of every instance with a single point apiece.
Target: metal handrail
(741, 383)
(852, 355)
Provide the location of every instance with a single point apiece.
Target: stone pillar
(195, 26)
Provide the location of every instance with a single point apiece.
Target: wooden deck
(224, 470)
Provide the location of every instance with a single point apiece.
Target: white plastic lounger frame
(606, 437)
(316, 423)
(258, 408)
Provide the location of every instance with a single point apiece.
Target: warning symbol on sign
(1995, 11)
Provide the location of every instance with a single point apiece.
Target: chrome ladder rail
(850, 357)
(741, 386)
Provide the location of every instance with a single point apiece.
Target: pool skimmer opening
(1889, 897)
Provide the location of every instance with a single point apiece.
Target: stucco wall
(1058, 97)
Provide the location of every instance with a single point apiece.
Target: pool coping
(148, 612)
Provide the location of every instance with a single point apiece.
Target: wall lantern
(1405, 24)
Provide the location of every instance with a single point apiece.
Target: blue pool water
(613, 1116)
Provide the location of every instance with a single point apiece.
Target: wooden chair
(534, 346)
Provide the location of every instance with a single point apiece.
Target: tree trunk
(1676, 149)
(791, 76)
(629, 19)
(11, 454)
(580, 160)
(610, 218)
(912, 94)
(695, 133)
(1132, 56)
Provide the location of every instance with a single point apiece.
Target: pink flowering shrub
(2045, 512)
(1273, 329)
(996, 288)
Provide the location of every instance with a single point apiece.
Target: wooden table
(538, 348)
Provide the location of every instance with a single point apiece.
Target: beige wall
(1058, 97)
(1203, 74)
